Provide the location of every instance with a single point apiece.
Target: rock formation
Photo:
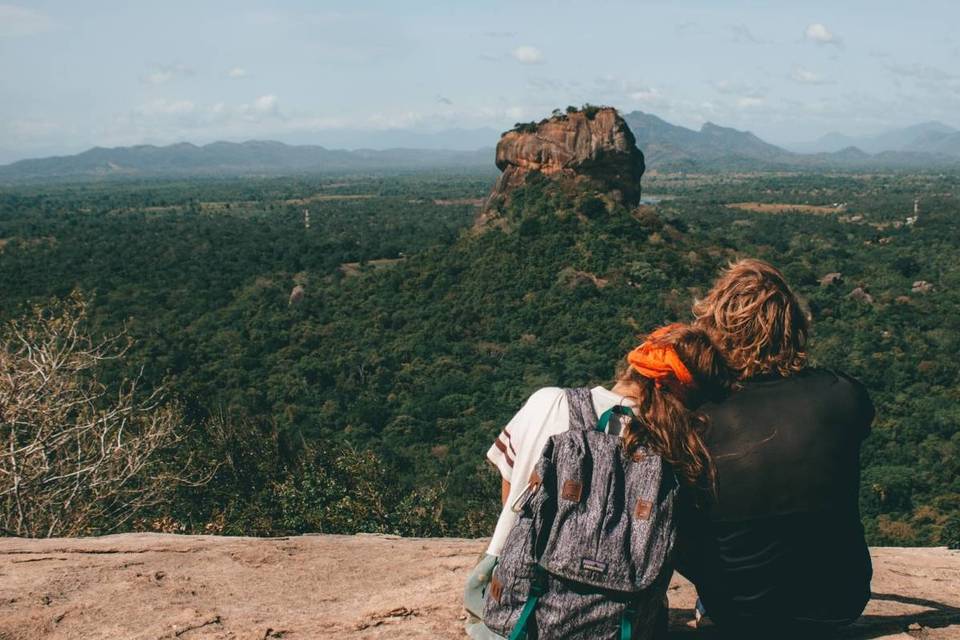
(153, 586)
(593, 144)
(860, 295)
(831, 279)
(296, 295)
(921, 286)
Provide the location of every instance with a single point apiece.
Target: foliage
(77, 456)
(396, 371)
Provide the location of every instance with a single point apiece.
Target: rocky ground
(152, 586)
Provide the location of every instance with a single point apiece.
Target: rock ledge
(152, 586)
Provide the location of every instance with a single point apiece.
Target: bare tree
(76, 456)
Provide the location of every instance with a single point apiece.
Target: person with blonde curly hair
(780, 548)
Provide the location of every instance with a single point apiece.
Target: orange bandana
(661, 363)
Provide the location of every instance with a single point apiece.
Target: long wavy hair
(666, 418)
(755, 319)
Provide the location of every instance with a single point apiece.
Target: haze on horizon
(347, 74)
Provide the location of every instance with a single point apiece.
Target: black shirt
(782, 542)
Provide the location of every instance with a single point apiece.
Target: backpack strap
(537, 589)
(583, 417)
(626, 622)
(617, 409)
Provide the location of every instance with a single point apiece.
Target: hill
(228, 158)
(667, 147)
(919, 137)
(344, 588)
(715, 148)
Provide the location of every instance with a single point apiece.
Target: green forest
(366, 402)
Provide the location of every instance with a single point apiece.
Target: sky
(76, 74)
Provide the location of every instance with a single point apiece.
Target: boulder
(296, 295)
(831, 279)
(860, 295)
(593, 144)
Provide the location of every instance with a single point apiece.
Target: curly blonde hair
(755, 319)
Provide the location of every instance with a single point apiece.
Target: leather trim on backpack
(496, 589)
(643, 509)
(572, 490)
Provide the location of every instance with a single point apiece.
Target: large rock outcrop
(593, 144)
(153, 586)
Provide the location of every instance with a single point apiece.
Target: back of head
(675, 369)
(755, 320)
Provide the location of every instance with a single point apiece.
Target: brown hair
(666, 421)
(755, 320)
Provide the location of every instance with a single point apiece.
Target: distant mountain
(923, 137)
(665, 146)
(715, 148)
(668, 145)
(230, 158)
(457, 139)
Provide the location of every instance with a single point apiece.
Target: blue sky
(77, 74)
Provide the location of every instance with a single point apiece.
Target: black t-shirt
(782, 542)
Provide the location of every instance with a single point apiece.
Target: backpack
(590, 554)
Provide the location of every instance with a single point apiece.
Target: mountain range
(666, 146)
(931, 137)
(713, 147)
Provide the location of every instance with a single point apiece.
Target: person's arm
(502, 455)
(517, 435)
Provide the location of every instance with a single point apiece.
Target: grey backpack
(590, 554)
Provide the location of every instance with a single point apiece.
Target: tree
(78, 456)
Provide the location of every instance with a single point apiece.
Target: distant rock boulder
(831, 279)
(593, 144)
(296, 295)
(921, 286)
(860, 295)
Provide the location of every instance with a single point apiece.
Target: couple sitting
(737, 465)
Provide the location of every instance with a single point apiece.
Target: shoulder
(837, 384)
(545, 398)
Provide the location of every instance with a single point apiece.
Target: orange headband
(660, 363)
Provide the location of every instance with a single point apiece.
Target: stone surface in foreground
(151, 586)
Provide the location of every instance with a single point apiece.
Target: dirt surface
(767, 207)
(153, 586)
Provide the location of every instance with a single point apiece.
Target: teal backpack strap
(626, 622)
(537, 588)
(619, 409)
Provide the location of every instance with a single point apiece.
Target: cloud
(805, 76)
(527, 55)
(920, 72)
(266, 105)
(750, 102)
(237, 72)
(685, 28)
(651, 94)
(163, 107)
(167, 73)
(444, 100)
(20, 21)
(741, 89)
(934, 80)
(819, 33)
(742, 34)
(651, 98)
